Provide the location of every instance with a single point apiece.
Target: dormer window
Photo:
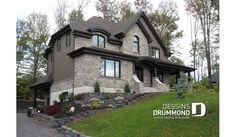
(135, 46)
(156, 53)
(98, 41)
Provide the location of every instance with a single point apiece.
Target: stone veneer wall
(59, 87)
(128, 41)
(89, 72)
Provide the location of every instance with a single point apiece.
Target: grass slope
(137, 120)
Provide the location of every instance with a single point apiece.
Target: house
(113, 54)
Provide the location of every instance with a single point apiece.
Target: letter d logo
(194, 109)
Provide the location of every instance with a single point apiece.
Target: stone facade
(128, 41)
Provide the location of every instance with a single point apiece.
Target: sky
(25, 7)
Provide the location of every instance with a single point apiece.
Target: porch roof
(165, 65)
(42, 84)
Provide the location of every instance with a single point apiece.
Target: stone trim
(71, 132)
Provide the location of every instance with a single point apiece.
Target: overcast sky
(25, 7)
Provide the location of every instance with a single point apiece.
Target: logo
(180, 111)
(194, 109)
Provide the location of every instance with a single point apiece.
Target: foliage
(32, 35)
(139, 116)
(96, 87)
(23, 86)
(182, 86)
(79, 97)
(60, 13)
(71, 96)
(113, 10)
(127, 88)
(53, 109)
(95, 104)
(77, 14)
(63, 96)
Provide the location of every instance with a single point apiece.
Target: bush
(53, 109)
(127, 88)
(63, 96)
(96, 87)
(95, 104)
(182, 86)
(71, 97)
(79, 97)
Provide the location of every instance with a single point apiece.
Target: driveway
(28, 127)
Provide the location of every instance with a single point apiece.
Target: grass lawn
(137, 120)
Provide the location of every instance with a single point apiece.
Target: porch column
(189, 76)
(35, 97)
(177, 77)
(155, 71)
(133, 67)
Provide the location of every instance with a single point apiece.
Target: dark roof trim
(144, 32)
(113, 41)
(41, 84)
(165, 64)
(47, 52)
(82, 34)
(101, 30)
(101, 52)
(58, 34)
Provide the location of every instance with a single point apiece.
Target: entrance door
(139, 73)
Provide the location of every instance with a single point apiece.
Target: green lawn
(137, 120)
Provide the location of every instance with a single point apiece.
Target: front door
(139, 73)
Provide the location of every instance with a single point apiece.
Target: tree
(143, 5)
(109, 9)
(60, 13)
(207, 12)
(77, 13)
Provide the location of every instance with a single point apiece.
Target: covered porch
(153, 75)
(41, 88)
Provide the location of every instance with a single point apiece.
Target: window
(58, 45)
(135, 46)
(156, 53)
(98, 41)
(68, 39)
(110, 68)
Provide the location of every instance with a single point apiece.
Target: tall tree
(113, 10)
(60, 13)
(164, 19)
(143, 5)
(77, 13)
(206, 12)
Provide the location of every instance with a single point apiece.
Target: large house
(113, 54)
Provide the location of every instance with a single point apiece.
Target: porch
(153, 75)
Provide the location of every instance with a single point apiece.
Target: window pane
(117, 69)
(135, 39)
(157, 53)
(102, 68)
(135, 47)
(110, 68)
(94, 41)
(101, 42)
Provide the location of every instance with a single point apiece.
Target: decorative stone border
(70, 132)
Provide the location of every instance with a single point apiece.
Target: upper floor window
(68, 39)
(110, 68)
(58, 45)
(156, 53)
(98, 41)
(135, 46)
(51, 55)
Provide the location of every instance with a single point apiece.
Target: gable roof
(114, 31)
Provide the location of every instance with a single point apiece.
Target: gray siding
(63, 65)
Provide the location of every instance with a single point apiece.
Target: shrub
(79, 97)
(63, 96)
(53, 109)
(95, 104)
(96, 87)
(182, 86)
(71, 97)
(127, 88)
